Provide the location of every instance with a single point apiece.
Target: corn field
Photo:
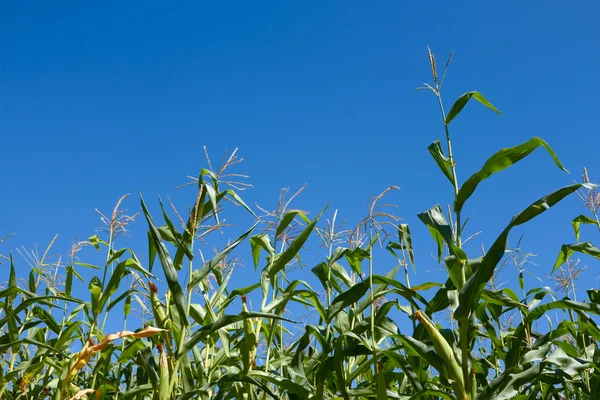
(283, 337)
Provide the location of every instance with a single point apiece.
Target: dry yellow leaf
(85, 392)
(86, 354)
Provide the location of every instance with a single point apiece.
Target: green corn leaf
(47, 318)
(127, 306)
(284, 383)
(438, 226)
(178, 239)
(293, 249)
(327, 279)
(426, 286)
(68, 281)
(212, 197)
(222, 322)
(470, 293)
(396, 358)
(112, 286)
(416, 348)
(241, 202)
(338, 365)
(209, 266)
(462, 101)
(432, 392)
(33, 283)
(5, 346)
(95, 288)
(136, 391)
(582, 219)
(441, 160)
(323, 372)
(168, 267)
(123, 296)
(356, 293)
(499, 298)
(12, 277)
(115, 256)
(198, 212)
(66, 335)
(287, 220)
(258, 242)
(350, 296)
(507, 385)
(231, 377)
(404, 236)
(537, 312)
(568, 249)
(355, 257)
(146, 360)
(498, 162)
(441, 231)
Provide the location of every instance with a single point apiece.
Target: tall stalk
(464, 322)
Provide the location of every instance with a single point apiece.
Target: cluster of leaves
(200, 339)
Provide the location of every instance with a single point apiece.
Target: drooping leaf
(498, 162)
(350, 296)
(284, 383)
(441, 160)
(499, 298)
(470, 293)
(432, 392)
(441, 231)
(287, 220)
(83, 357)
(355, 257)
(260, 241)
(241, 202)
(328, 280)
(438, 227)
(462, 101)
(582, 219)
(507, 385)
(568, 249)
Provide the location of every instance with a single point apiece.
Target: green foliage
(196, 337)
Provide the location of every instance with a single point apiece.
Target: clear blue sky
(98, 100)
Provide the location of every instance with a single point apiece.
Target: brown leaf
(86, 354)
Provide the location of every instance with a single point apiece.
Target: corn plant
(328, 330)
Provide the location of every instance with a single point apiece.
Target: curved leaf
(462, 101)
(292, 250)
(469, 294)
(568, 249)
(582, 219)
(167, 265)
(498, 162)
(441, 160)
(222, 322)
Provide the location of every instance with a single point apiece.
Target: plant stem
(452, 165)
(375, 369)
(464, 324)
